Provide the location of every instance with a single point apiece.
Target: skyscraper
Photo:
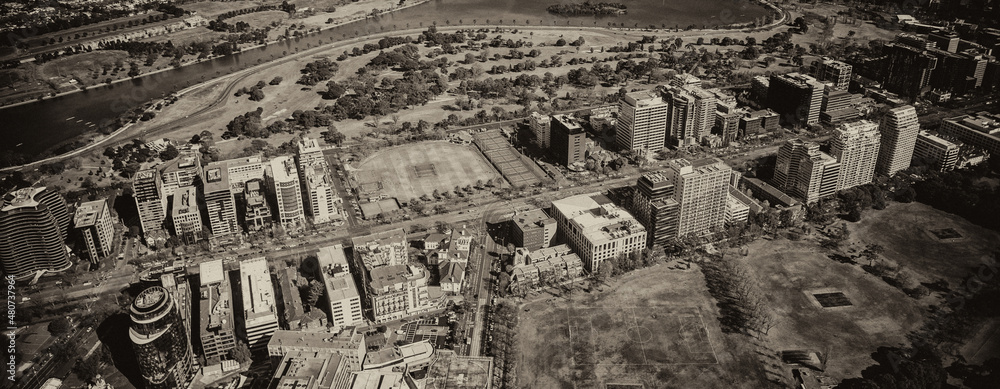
(97, 230)
(568, 140)
(909, 69)
(33, 224)
(786, 167)
(317, 185)
(642, 121)
(220, 204)
(856, 146)
(283, 178)
(147, 189)
(258, 213)
(185, 215)
(691, 114)
(701, 188)
(160, 340)
(215, 308)
(242, 170)
(541, 125)
(183, 171)
(260, 318)
(653, 205)
(796, 97)
(817, 176)
(342, 293)
(836, 72)
(899, 128)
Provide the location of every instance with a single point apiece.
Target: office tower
(283, 178)
(147, 189)
(33, 224)
(685, 79)
(796, 97)
(597, 229)
(856, 146)
(727, 116)
(342, 293)
(260, 318)
(818, 174)
(540, 125)
(97, 230)
(837, 106)
(381, 249)
(215, 311)
(944, 40)
(642, 121)
(908, 70)
(533, 230)
(349, 344)
(759, 87)
(914, 41)
(786, 166)
(183, 171)
(736, 211)
(690, 115)
(700, 187)
(835, 72)
(185, 215)
(980, 130)
(311, 370)
(160, 340)
(258, 213)
(242, 170)
(568, 140)
(654, 206)
(899, 128)
(757, 123)
(939, 152)
(220, 204)
(317, 185)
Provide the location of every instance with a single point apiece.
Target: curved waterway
(38, 127)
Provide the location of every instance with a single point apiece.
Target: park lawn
(790, 272)
(548, 353)
(903, 230)
(453, 165)
(84, 65)
(210, 9)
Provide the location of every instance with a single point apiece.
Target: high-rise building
(829, 70)
(909, 69)
(258, 213)
(215, 311)
(653, 205)
(185, 215)
(796, 97)
(690, 114)
(183, 171)
(818, 174)
(533, 230)
(757, 123)
(642, 121)
(398, 291)
(899, 128)
(568, 141)
(283, 178)
(33, 224)
(147, 189)
(837, 106)
(341, 292)
(597, 229)
(160, 340)
(727, 116)
(701, 188)
(935, 150)
(381, 249)
(944, 40)
(260, 318)
(347, 343)
(786, 166)
(685, 79)
(980, 130)
(541, 125)
(317, 186)
(856, 147)
(759, 87)
(97, 230)
(220, 204)
(242, 170)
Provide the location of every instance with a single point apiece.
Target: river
(38, 128)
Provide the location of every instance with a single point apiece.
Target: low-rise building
(597, 229)
(186, 216)
(413, 356)
(398, 291)
(544, 266)
(347, 343)
(533, 229)
(311, 370)
(936, 150)
(736, 211)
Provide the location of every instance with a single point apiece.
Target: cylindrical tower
(160, 339)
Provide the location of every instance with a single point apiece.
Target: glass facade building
(160, 340)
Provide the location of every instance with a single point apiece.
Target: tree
(561, 42)
(256, 94)
(315, 291)
(333, 136)
(241, 353)
(416, 206)
(275, 81)
(88, 369)
(59, 326)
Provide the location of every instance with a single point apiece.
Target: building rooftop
(532, 218)
(387, 277)
(308, 370)
(216, 177)
(932, 138)
(760, 113)
(644, 98)
(800, 80)
(407, 353)
(21, 198)
(258, 292)
(336, 273)
(983, 122)
(568, 122)
(347, 339)
(186, 160)
(378, 380)
(216, 306)
(452, 371)
(283, 169)
(597, 217)
(211, 272)
(87, 213)
(382, 248)
(185, 201)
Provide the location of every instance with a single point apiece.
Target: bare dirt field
(791, 273)
(413, 170)
(657, 327)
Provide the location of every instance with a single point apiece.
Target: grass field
(657, 327)
(411, 171)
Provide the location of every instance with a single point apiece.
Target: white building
(642, 121)
(597, 228)
(259, 310)
(97, 230)
(701, 189)
(899, 129)
(856, 146)
(736, 211)
(283, 178)
(341, 291)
